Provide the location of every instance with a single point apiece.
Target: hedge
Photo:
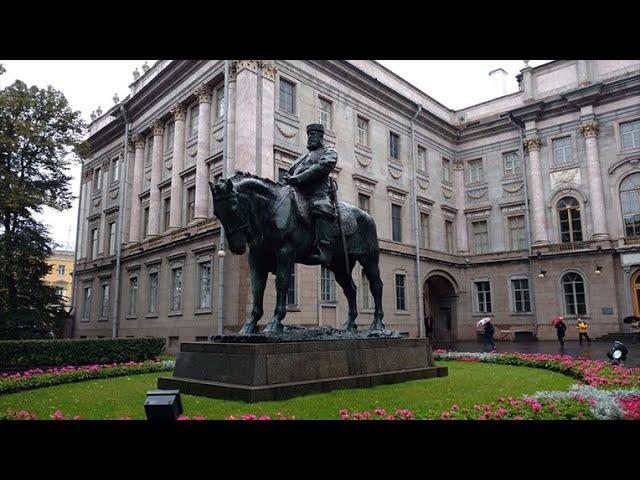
(54, 353)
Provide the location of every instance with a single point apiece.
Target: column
(627, 291)
(102, 233)
(175, 215)
(203, 92)
(231, 121)
(461, 219)
(598, 213)
(85, 186)
(532, 145)
(128, 191)
(246, 113)
(267, 83)
(136, 188)
(157, 129)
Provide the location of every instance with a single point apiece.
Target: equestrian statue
(298, 220)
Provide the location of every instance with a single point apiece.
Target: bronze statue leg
(285, 260)
(259, 274)
(372, 271)
(349, 288)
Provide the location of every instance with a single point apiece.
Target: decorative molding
(192, 151)
(532, 143)
(179, 112)
(447, 209)
(220, 137)
(362, 160)
(483, 193)
(565, 189)
(203, 92)
(239, 65)
(397, 194)
(561, 177)
(113, 194)
(512, 190)
(589, 129)
(268, 68)
(286, 133)
(448, 193)
(88, 175)
(138, 140)
(96, 201)
(364, 184)
(634, 160)
(424, 184)
(425, 204)
(458, 164)
(157, 127)
(393, 173)
(478, 212)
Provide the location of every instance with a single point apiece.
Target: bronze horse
(263, 214)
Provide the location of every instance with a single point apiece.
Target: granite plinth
(255, 372)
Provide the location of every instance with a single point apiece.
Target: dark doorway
(439, 309)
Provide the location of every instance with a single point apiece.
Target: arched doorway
(635, 292)
(439, 308)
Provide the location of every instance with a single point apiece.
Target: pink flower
(231, 417)
(379, 411)
(265, 417)
(445, 415)
(199, 417)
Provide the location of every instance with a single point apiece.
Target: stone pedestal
(255, 372)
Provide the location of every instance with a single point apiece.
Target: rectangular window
(324, 113)
(115, 169)
(191, 203)
(364, 202)
(396, 223)
(176, 289)
(220, 103)
(112, 238)
(149, 153)
(86, 302)
(511, 163)
(483, 297)
(104, 309)
(630, 133)
(520, 291)
(476, 171)
(166, 212)
(145, 222)
(562, 150)
(422, 159)
(448, 228)
(193, 120)
(204, 281)
(446, 170)
(328, 285)
(517, 233)
(481, 237)
(153, 292)
(97, 179)
(60, 292)
(133, 296)
(291, 291)
(287, 96)
(400, 294)
(394, 145)
(61, 269)
(169, 137)
(424, 230)
(94, 243)
(363, 131)
(367, 298)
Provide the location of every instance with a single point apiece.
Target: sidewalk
(592, 351)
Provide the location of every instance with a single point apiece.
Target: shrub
(33, 353)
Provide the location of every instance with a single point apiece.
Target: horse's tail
(365, 242)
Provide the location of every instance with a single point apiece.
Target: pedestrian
(582, 330)
(489, 330)
(636, 327)
(561, 328)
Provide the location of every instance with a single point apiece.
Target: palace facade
(522, 208)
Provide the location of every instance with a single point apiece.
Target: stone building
(523, 207)
(61, 274)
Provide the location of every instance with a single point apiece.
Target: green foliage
(54, 353)
(40, 136)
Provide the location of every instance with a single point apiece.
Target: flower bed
(37, 378)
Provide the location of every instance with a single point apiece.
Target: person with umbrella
(561, 328)
(582, 330)
(489, 330)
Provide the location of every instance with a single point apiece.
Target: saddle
(303, 212)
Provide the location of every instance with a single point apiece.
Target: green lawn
(467, 383)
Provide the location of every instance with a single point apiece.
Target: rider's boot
(321, 253)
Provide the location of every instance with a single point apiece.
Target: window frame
(480, 171)
(293, 85)
(515, 163)
(325, 101)
(403, 288)
(570, 145)
(561, 284)
(390, 152)
(359, 130)
(512, 294)
(393, 224)
(474, 236)
(570, 220)
(624, 179)
(476, 296)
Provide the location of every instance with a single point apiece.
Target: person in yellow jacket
(582, 330)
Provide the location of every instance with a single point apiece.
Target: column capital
(138, 140)
(268, 68)
(531, 143)
(589, 129)
(87, 175)
(179, 111)
(157, 127)
(203, 92)
(239, 65)
(458, 164)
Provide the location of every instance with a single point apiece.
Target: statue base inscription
(254, 372)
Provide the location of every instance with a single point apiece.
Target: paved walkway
(593, 351)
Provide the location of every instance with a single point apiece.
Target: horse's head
(233, 215)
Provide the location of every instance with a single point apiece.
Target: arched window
(574, 297)
(569, 215)
(630, 202)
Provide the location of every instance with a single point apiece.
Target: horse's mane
(239, 175)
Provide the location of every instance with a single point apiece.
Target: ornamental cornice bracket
(589, 129)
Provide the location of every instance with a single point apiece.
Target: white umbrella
(482, 321)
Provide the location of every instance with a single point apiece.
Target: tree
(39, 137)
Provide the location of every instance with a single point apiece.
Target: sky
(89, 84)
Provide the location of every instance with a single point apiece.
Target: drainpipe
(416, 227)
(221, 252)
(520, 128)
(120, 230)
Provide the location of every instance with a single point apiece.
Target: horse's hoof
(248, 329)
(273, 328)
(377, 326)
(351, 327)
